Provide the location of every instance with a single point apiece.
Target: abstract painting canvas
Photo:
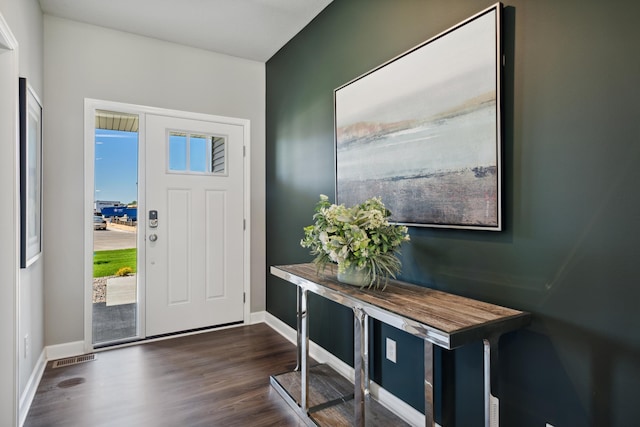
(422, 131)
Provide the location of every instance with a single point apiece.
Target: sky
(116, 166)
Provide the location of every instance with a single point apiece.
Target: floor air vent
(74, 360)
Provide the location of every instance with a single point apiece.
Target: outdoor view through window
(115, 215)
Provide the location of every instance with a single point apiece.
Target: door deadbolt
(153, 220)
(153, 237)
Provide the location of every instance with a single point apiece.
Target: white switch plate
(391, 350)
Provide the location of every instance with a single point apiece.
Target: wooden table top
(453, 320)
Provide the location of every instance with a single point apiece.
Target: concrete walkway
(121, 290)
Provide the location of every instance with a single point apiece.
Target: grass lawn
(106, 263)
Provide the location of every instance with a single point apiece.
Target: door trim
(90, 107)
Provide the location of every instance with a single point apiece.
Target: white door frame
(90, 107)
(9, 226)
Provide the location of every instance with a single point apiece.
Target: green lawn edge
(106, 263)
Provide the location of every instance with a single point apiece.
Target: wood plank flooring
(218, 378)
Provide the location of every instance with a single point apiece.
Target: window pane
(218, 149)
(198, 153)
(177, 151)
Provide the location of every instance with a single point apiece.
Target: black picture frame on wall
(30, 174)
(423, 130)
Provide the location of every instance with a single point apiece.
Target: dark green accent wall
(570, 250)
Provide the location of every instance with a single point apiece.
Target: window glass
(177, 151)
(198, 153)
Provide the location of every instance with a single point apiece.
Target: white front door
(194, 256)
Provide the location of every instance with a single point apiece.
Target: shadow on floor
(113, 323)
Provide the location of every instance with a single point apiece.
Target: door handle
(153, 237)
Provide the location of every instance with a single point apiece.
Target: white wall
(8, 220)
(25, 21)
(85, 61)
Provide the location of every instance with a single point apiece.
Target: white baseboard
(399, 407)
(280, 327)
(61, 351)
(31, 387)
(257, 317)
(318, 353)
(388, 400)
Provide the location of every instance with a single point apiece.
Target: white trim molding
(61, 351)
(31, 387)
(257, 317)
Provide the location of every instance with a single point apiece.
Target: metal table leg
(365, 357)
(429, 415)
(491, 402)
(298, 328)
(304, 352)
(360, 364)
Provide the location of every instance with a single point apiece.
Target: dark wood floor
(219, 378)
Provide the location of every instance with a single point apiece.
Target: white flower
(357, 236)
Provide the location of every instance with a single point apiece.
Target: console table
(439, 318)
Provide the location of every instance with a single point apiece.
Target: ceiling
(251, 29)
(117, 121)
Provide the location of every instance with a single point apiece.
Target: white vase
(353, 276)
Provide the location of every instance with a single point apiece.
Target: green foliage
(107, 263)
(358, 237)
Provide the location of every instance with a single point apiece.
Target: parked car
(99, 223)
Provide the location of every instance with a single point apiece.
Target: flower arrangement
(359, 237)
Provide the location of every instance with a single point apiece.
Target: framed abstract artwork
(423, 131)
(30, 175)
